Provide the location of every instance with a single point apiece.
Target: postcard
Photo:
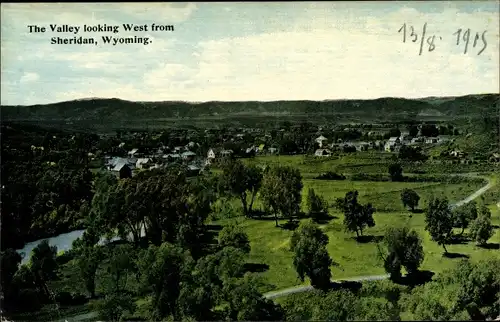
(250, 161)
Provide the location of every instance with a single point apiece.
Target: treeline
(170, 257)
(46, 182)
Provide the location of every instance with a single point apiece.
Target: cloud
(302, 51)
(29, 77)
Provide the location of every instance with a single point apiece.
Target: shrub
(330, 176)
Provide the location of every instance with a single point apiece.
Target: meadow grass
(270, 245)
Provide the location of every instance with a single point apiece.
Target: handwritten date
(464, 38)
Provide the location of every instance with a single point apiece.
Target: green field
(270, 245)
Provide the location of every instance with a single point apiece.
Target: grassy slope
(270, 244)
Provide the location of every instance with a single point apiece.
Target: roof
(143, 160)
(321, 137)
(188, 153)
(133, 151)
(119, 166)
(393, 139)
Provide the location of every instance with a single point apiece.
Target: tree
(89, 255)
(411, 153)
(439, 221)
(478, 285)
(311, 259)
(163, 269)
(481, 229)
(404, 248)
(410, 198)
(234, 236)
(430, 302)
(202, 289)
(10, 265)
(120, 263)
(464, 215)
(44, 265)
(356, 216)
(339, 305)
(316, 204)
(281, 191)
(114, 306)
(246, 303)
(238, 179)
(396, 172)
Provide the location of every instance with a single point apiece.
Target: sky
(237, 51)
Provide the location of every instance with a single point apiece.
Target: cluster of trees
(161, 217)
(467, 292)
(46, 182)
(440, 219)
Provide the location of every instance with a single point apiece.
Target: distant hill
(117, 110)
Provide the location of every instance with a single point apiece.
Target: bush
(68, 299)
(330, 176)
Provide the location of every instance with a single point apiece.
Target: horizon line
(258, 101)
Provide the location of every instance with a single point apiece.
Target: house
(272, 150)
(391, 144)
(431, 140)
(321, 140)
(495, 158)
(212, 154)
(226, 153)
(416, 141)
(121, 145)
(132, 152)
(444, 138)
(188, 155)
(250, 150)
(456, 154)
(141, 162)
(322, 153)
(193, 170)
(123, 170)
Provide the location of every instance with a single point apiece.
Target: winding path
(305, 288)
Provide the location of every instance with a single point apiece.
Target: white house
(431, 140)
(188, 155)
(132, 152)
(321, 140)
(391, 144)
(211, 154)
(322, 153)
(141, 162)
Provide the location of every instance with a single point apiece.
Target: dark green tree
(410, 198)
(311, 258)
(44, 265)
(356, 216)
(234, 236)
(481, 229)
(464, 215)
(246, 303)
(439, 221)
(396, 172)
(281, 191)
(404, 248)
(316, 205)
